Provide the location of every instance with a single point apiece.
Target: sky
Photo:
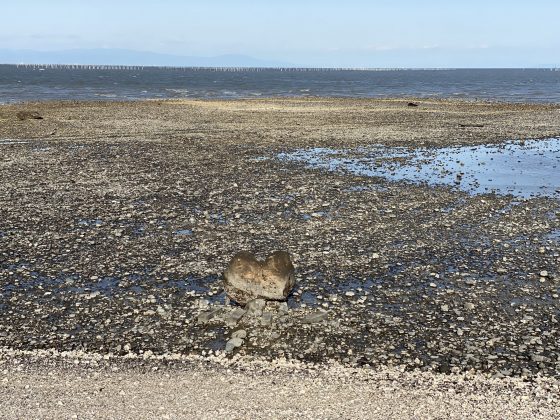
(350, 33)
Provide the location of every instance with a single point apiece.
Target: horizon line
(255, 68)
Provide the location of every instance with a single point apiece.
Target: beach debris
(28, 115)
(412, 104)
(247, 278)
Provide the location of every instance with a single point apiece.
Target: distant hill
(130, 58)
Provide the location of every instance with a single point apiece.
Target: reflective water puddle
(523, 168)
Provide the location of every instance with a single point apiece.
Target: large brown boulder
(247, 278)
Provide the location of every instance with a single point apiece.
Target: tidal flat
(118, 219)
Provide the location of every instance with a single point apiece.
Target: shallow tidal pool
(524, 169)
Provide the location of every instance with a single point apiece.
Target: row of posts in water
(216, 69)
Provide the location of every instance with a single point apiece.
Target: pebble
(233, 317)
(266, 318)
(233, 343)
(255, 306)
(242, 334)
(205, 317)
(315, 317)
(283, 308)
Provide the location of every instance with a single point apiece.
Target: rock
(266, 318)
(469, 306)
(315, 317)
(233, 317)
(205, 317)
(283, 308)
(255, 307)
(412, 104)
(537, 358)
(544, 273)
(242, 334)
(247, 278)
(28, 115)
(233, 343)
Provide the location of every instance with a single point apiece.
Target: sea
(21, 83)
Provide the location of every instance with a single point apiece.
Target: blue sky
(351, 33)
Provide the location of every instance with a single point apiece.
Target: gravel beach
(77, 385)
(118, 219)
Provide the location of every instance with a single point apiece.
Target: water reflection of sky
(524, 169)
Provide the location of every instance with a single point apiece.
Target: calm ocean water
(513, 85)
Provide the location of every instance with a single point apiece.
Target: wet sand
(117, 219)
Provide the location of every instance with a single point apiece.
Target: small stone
(255, 306)
(233, 343)
(469, 306)
(445, 308)
(266, 318)
(501, 271)
(233, 317)
(205, 317)
(537, 358)
(543, 273)
(242, 334)
(350, 293)
(202, 303)
(375, 256)
(433, 285)
(283, 308)
(315, 317)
